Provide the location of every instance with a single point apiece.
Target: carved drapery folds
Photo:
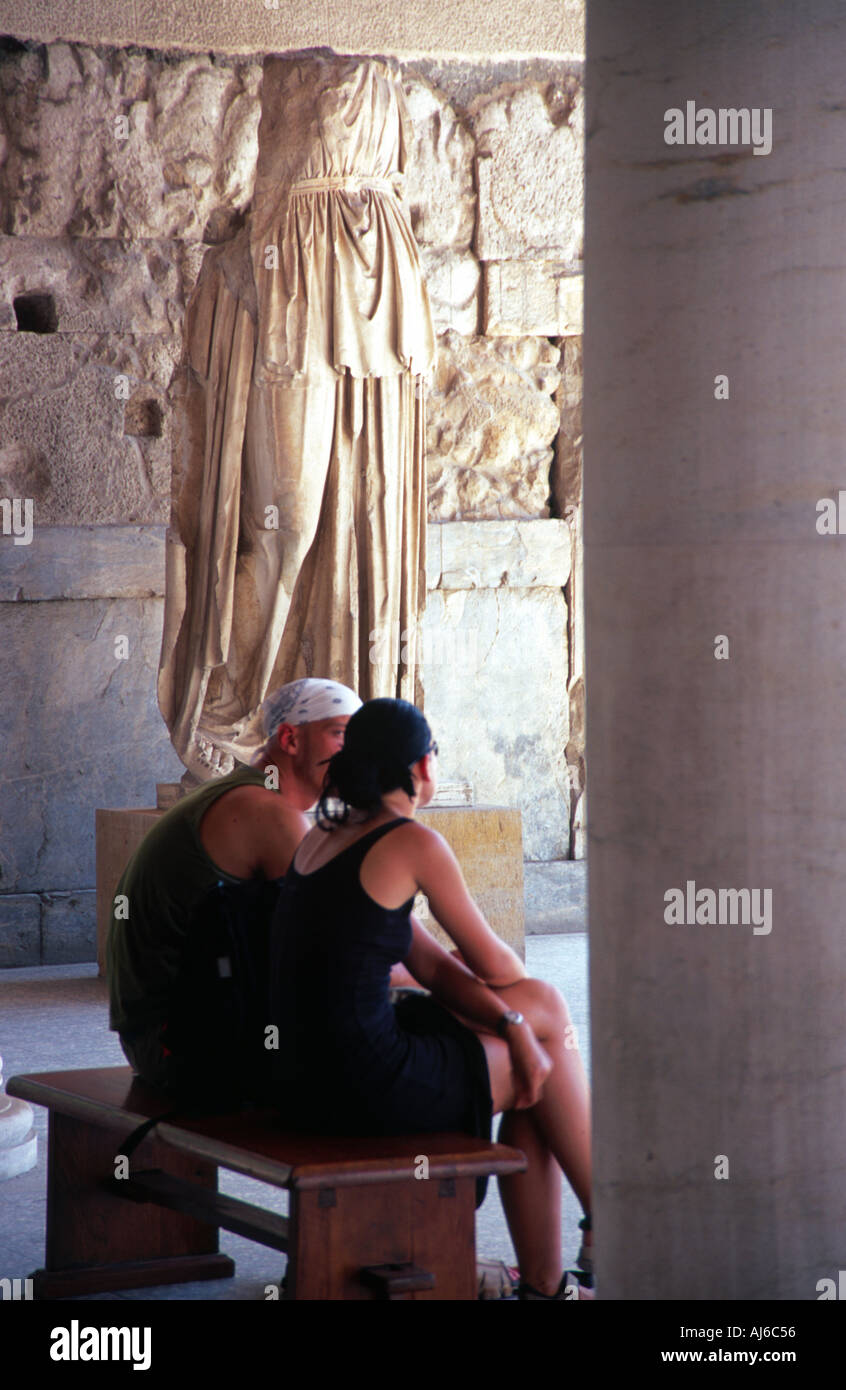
(297, 540)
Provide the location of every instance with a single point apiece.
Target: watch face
(510, 1016)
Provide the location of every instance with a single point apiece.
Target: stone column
(719, 1051)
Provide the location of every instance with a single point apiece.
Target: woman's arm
(451, 982)
(440, 878)
(454, 986)
(401, 976)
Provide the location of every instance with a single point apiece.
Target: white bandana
(304, 701)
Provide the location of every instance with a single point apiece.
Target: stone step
(556, 896)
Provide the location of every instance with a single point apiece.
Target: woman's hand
(530, 1062)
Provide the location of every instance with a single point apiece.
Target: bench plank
(255, 1142)
(229, 1213)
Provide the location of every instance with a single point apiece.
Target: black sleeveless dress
(348, 1061)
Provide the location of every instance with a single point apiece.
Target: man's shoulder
(256, 798)
(195, 801)
(253, 829)
(250, 793)
(242, 778)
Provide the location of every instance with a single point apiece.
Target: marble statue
(18, 1141)
(297, 539)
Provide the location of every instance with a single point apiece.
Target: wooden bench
(361, 1224)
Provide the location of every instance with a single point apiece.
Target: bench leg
(98, 1241)
(337, 1232)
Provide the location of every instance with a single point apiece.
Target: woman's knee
(542, 1004)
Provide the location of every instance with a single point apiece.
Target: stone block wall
(118, 168)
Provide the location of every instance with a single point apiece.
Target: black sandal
(569, 1290)
(584, 1259)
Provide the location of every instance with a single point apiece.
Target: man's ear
(287, 738)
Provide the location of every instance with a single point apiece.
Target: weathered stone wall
(470, 28)
(117, 169)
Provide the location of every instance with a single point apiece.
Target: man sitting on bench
(236, 836)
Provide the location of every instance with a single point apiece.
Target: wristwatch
(510, 1016)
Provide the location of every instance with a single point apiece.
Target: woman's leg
(532, 1203)
(563, 1112)
(532, 1200)
(562, 1115)
(554, 1134)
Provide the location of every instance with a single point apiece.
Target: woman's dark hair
(382, 742)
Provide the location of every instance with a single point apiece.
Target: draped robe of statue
(306, 342)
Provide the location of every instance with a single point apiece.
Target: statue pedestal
(18, 1145)
(487, 842)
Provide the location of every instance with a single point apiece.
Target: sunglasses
(433, 748)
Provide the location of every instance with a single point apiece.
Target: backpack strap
(139, 1134)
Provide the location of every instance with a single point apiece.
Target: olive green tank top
(166, 878)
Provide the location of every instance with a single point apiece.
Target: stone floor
(54, 1016)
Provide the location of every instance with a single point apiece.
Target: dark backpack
(219, 1015)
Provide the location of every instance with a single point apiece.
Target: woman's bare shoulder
(419, 840)
(407, 838)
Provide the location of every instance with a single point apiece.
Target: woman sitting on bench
(350, 1062)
